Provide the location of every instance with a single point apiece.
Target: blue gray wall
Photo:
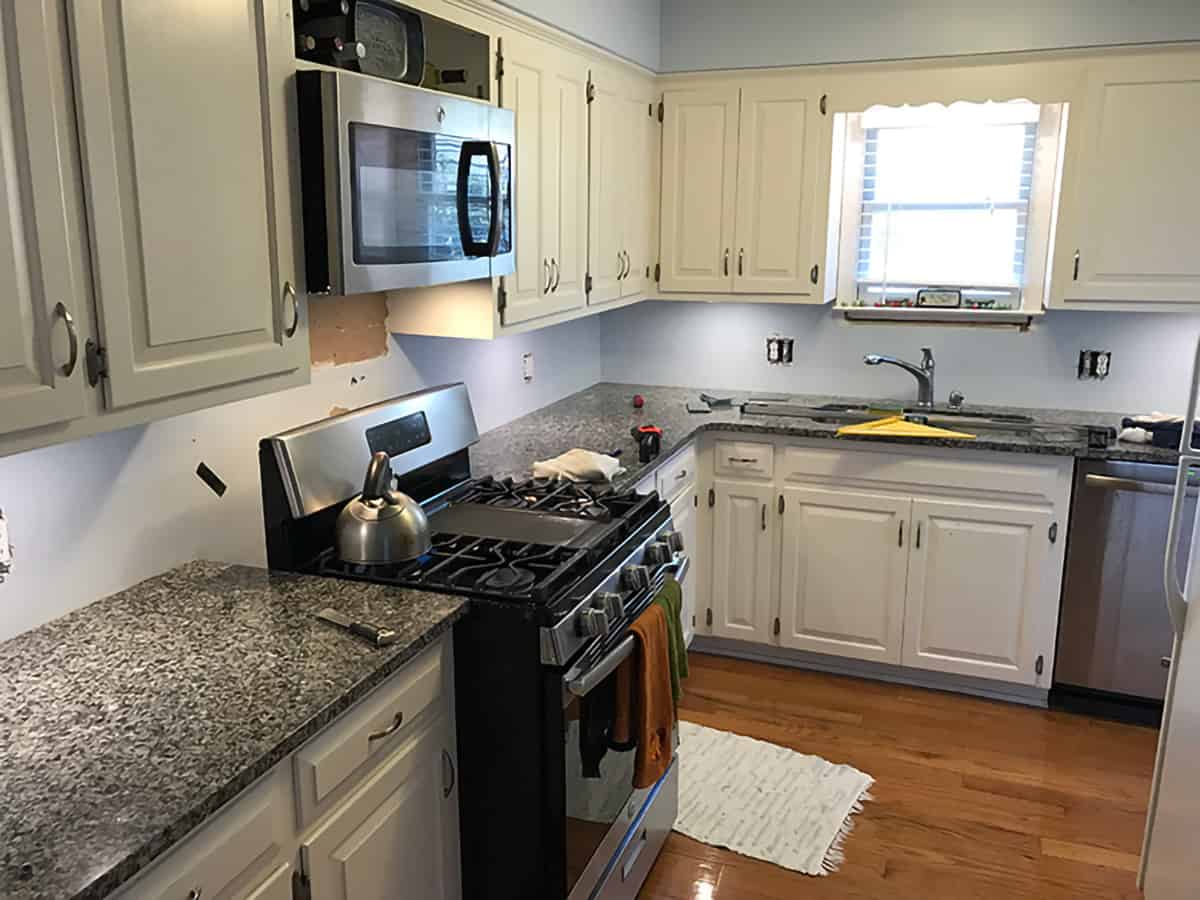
(717, 34)
(629, 28)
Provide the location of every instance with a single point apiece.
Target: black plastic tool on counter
(649, 441)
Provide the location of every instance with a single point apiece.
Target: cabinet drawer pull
(63, 313)
(741, 253)
(764, 517)
(726, 268)
(546, 275)
(289, 293)
(742, 459)
(557, 274)
(681, 474)
(918, 535)
(814, 274)
(391, 729)
(900, 543)
(1075, 274)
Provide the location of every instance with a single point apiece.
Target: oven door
(407, 188)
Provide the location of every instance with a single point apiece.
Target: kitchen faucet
(923, 373)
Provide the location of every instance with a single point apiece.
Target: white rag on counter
(579, 465)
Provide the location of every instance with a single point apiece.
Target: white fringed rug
(766, 801)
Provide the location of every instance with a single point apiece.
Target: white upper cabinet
(44, 300)
(699, 189)
(546, 89)
(844, 567)
(1127, 233)
(623, 151)
(778, 244)
(745, 187)
(981, 592)
(188, 124)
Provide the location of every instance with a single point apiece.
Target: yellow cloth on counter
(898, 426)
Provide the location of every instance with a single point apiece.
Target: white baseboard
(802, 659)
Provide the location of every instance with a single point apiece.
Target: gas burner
(507, 579)
(508, 502)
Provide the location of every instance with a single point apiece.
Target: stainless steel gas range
(558, 572)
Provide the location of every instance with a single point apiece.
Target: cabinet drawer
(325, 764)
(748, 459)
(678, 474)
(229, 855)
(276, 886)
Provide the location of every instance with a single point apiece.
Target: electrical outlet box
(780, 350)
(1094, 364)
(527, 367)
(5, 548)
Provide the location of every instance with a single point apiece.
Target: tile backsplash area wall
(723, 346)
(94, 516)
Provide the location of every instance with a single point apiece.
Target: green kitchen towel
(670, 598)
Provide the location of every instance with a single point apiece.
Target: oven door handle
(583, 684)
(471, 149)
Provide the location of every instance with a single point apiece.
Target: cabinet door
(39, 255)
(982, 597)
(699, 184)
(546, 91)
(777, 206)
(610, 138)
(741, 593)
(1130, 210)
(392, 838)
(188, 132)
(567, 151)
(683, 519)
(640, 213)
(844, 565)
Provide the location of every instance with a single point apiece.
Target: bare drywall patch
(347, 329)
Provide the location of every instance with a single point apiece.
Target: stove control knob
(635, 578)
(657, 553)
(611, 602)
(592, 622)
(674, 540)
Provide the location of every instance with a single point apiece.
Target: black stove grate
(480, 567)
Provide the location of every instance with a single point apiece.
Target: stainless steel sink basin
(1013, 425)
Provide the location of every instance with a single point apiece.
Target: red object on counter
(638, 401)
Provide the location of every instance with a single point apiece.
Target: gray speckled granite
(600, 418)
(127, 723)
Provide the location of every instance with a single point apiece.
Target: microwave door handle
(493, 158)
(470, 149)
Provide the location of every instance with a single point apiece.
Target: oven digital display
(400, 435)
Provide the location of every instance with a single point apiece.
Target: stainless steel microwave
(401, 187)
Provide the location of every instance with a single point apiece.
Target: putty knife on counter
(380, 637)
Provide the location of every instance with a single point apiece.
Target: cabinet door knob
(289, 293)
(69, 366)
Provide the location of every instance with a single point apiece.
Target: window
(954, 197)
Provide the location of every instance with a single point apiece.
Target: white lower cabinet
(844, 566)
(276, 886)
(951, 566)
(980, 599)
(397, 835)
(683, 518)
(742, 555)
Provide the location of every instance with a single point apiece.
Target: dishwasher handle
(1113, 483)
(1176, 600)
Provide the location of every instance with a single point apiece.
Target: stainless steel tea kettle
(381, 525)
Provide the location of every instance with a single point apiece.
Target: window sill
(926, 314)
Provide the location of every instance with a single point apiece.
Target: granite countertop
(600, 418)
(130, 721)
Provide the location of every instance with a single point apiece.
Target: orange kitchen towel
(645, 709)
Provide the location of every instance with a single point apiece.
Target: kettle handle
(379, 477)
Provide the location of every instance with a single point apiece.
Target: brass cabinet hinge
(499, 59)
(587, 284)
(591, 91)
(502, 297)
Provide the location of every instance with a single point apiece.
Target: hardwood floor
(974, 799)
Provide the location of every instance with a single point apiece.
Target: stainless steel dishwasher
(1114, 636)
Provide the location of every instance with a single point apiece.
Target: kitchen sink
(1013, 425)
